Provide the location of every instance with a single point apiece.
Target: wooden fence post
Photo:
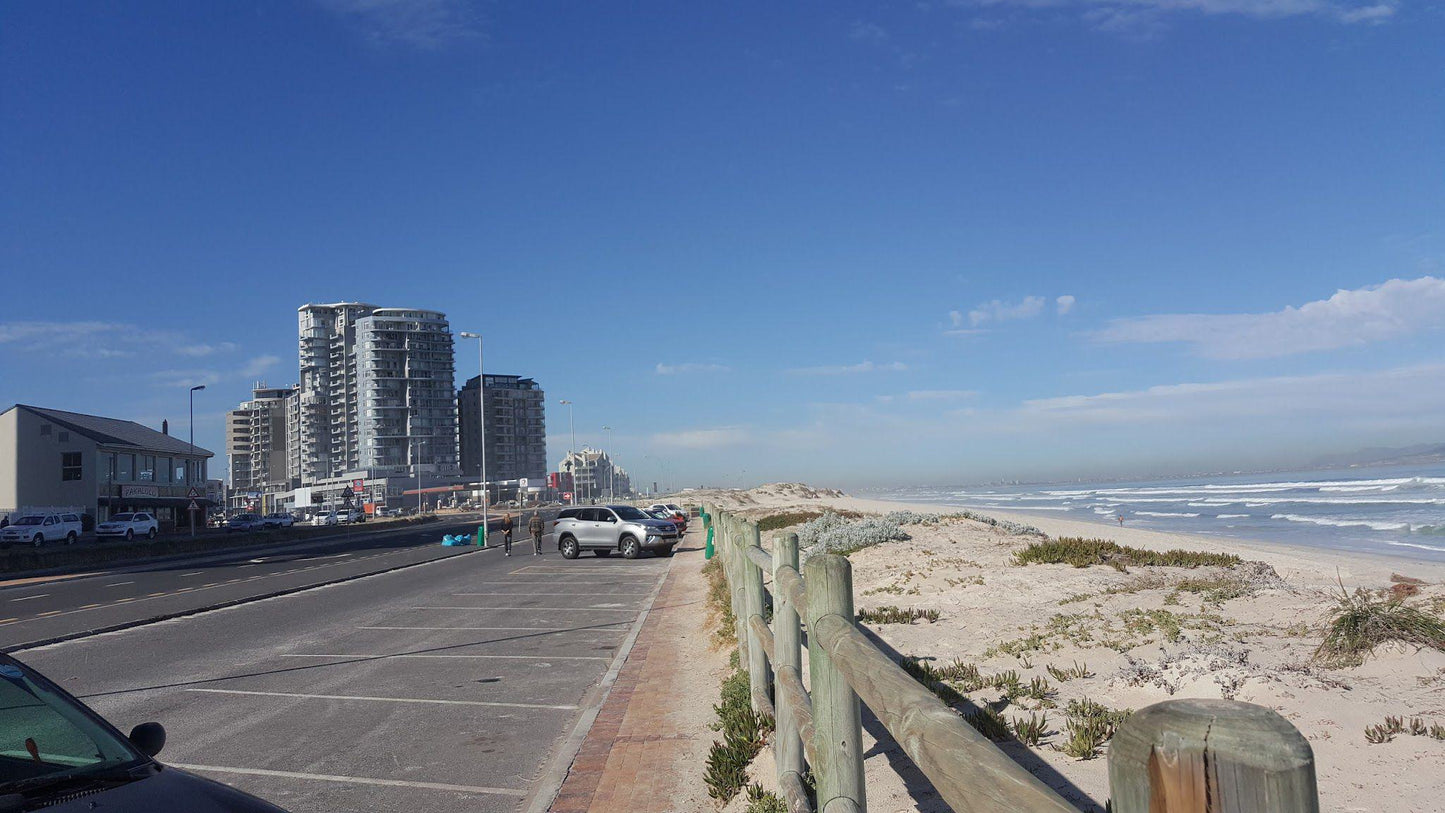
(787, 657)
(760, 676)
(837, 720)
(736, 574)
(1211, 756)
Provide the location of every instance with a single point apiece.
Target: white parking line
(388, 699)
(483, 657)
(560, 609)
(513, 629)
(27, 598)
(359, 780)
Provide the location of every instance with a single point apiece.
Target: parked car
(129, 526)
(37, 529)
(326, 518)
(678, 515)
(280, 519)
(352, 515)
(245, 522)
(74, 760)
(603, 529)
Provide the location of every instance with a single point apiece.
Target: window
(70, 466)
(125, 468)
(107, 466)
(180, 471)
(166, 471)
(44, 429)
(147, 471)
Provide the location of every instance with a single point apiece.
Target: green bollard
(481, 536)
(709, 551)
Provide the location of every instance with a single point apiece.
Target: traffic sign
(193, 506)
(193, 493)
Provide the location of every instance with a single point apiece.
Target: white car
(280, 519)
(328, 518)
(353, 515)
(129, 526)
(37, 529)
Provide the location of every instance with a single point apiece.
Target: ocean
(1397, 511)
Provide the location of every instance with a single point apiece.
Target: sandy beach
(1142, 636)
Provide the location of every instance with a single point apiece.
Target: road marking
(196, 573)
(7, 620)
(88, 606)
(482, 657)
(609, 595)
(332, 556)
(153, 595)
(514, 629)
(52, 612)
(388, 699)
(27, 598)
(359, 780)
(559, 609)
(118, 584)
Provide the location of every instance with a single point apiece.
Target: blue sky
(849, 243)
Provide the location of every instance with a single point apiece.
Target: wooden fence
(1179, 756)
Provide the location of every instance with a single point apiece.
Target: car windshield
(122, 518)
(628, 512)
(32, 520)
(44, 734)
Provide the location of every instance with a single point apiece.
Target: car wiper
(119, 774)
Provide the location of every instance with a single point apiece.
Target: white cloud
(1001, 311)
(848, 369)
(703, 438)
(1406, 392)
(940, 395)
(425, 24)
(691, 367)
(1064, 304)
(259, 365)
(199, 350)
(1135, 16)
(1349, 318)
(103, 340)
(184, 379)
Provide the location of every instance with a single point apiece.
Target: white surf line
(558, 609)
(463, 656)
(513, 629)
(27, 598)
(357, 780)
(422, 700)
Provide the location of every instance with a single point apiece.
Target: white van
(37, 529)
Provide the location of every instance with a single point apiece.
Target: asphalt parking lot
(455, 684)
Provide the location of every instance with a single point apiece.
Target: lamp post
(611, 467)
(192, 421)
(572, 428)
(482, 423)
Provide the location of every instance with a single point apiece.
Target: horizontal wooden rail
(788, 583)
(965, 767)
(801, 708)
(760, 557)
(759, 627)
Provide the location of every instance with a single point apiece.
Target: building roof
(116, 432)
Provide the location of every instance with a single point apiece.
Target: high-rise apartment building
(408, 409)
(375, 394)
(256, 441)
(516, 431)
(594, 475)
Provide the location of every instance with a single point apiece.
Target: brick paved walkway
(645, 752)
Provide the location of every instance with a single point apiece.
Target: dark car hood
(169, 789)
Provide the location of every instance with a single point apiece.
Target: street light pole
(611, 467)
(572, 428)
(192, 421)
(482, 423)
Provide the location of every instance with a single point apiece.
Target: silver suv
(603, 529)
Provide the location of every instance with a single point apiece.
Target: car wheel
(602, 554)
(568, 546)
(665, 550)
(630, 548)
(70, 538)
(130, 534)
(151, 534)
(37, 540)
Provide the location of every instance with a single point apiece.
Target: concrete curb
(231, 603)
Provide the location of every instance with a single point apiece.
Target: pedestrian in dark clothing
(507, 525)
(536, 527)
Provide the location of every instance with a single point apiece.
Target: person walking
(507, 532)
(536, 527)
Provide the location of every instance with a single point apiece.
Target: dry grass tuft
(1364, 620)
(1081, 552)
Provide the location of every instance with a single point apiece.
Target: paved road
(45, 611)
(448, 685)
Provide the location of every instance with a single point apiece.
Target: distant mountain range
(1421, 454)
